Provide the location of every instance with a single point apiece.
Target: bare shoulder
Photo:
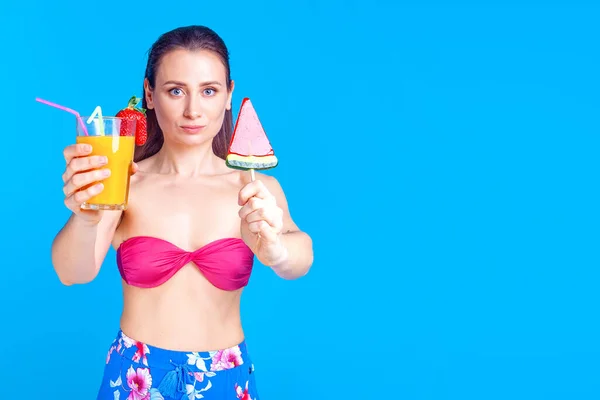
(140, 176)
(145, 163)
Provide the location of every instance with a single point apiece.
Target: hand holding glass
(113, 138)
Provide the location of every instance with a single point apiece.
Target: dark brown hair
(193, 37)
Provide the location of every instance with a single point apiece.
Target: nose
(192, 109)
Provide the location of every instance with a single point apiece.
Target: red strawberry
(131, 112)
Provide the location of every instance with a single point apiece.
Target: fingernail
(106, 172)
(87, 147)
(104, 160)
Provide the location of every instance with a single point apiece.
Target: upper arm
(105, 234)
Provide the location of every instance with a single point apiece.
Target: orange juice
(119, 151)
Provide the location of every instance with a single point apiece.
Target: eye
(176, 92)
(209, 91)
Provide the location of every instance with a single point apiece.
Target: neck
(188, 161)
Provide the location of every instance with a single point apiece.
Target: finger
(134, 168)
(83, 164)
(83, 179)
(75, 200)
(76, 150)
(254, 189)
(272, 216)
(264, 230)
(253, 204)
(267, 234)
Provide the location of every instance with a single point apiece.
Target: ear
(148, 93)
(228, 107)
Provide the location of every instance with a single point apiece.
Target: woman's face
(190, 95)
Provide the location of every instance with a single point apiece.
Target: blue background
(443, 156)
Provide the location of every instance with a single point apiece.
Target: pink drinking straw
(67, 110)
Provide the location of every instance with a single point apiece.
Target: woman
(186, 243)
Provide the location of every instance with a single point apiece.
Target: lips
(192, 128)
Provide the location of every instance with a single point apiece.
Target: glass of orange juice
(113, 138)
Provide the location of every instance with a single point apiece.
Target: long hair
(193, 37)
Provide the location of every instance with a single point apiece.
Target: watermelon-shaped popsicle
(249, 148)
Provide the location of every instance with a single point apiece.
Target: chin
(193, 139)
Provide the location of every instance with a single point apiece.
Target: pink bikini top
(146, 261)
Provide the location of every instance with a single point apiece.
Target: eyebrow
(183, 84)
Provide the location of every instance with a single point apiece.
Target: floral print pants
(137, 371)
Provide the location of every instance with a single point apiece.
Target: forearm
(73, 252)
(298, 255)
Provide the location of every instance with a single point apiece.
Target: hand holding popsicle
(261, 217)
(261, 222)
